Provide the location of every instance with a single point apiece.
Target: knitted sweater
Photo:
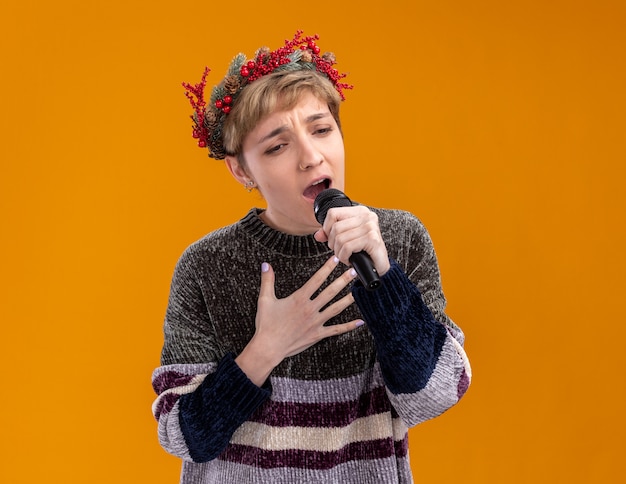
(339, 411)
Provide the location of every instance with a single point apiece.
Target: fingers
(289, 325)
(338, 329)
(320, 236)
(354, 229)
(312, 285)
(352, 216)
(332, 290)
(317, 279)
(267, 281)
(337, 307)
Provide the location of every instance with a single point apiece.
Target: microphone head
(327, 199)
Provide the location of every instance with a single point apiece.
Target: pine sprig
(236, 64)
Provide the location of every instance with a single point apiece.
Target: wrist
(385, 266)
(256, 362)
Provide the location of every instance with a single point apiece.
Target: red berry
(251, 65)
(219, 104)
(202, 143)
(245, 72)
(195, 134)
(226, 109)
(316, 49)
(228, 99)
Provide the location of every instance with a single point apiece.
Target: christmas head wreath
(298, 54)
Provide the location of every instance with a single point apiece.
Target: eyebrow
(309, 119)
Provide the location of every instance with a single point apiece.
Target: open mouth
(316, 188)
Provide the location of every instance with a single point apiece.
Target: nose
(310, 156)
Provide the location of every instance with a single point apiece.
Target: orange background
(500, 124)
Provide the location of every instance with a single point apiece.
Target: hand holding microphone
(360, 260)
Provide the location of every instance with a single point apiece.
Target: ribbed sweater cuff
(234, 387)
(408, 337)
(393, 293)
(210, 415)
(393, 297)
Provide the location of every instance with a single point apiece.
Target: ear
(236, 170)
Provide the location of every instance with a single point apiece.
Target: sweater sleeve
(199, 407)
(419, 349)
(202, 395)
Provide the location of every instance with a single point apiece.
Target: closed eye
(323, 130)
(275, 149)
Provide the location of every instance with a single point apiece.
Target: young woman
(278, 365)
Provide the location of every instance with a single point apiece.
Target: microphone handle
(364, 267)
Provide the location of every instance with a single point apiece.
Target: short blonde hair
(280, 89)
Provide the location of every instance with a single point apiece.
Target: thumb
(267, 281)
(321, 236)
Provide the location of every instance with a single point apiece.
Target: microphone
(361, 261)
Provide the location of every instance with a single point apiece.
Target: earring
(249, 186)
